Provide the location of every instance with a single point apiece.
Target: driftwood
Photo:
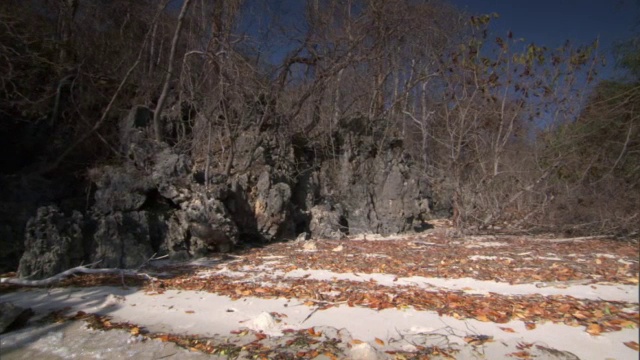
(78, 269)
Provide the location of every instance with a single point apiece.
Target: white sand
(192, 312)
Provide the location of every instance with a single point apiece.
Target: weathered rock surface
(211, 236)
(21, 196)
(273, 187)
(122, 240)
(327, 223)
(375, 182)
(53, 242)
(12, 316)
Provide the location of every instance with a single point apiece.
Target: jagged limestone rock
(211, 236)
(327, 223)
(122, 240)
(53, 243)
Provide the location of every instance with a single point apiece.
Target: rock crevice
(158, 200)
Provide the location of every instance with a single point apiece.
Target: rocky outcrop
(122, 240)
(328, 223)
(211, 236)
(273, 187)
(53, 242)
(390, 201)
(20, 198)
(375, 182)
(260, 193)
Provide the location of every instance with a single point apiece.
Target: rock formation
(158, 201)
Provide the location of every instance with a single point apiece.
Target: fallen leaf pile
(284, 270)
(513, 260)
(508, 259)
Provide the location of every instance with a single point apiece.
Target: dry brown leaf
(580, 316)
(530, 325)
(330, 355)
(594, 329)
(506, 329)
(632, 345)
(356, 342)
(483, 318)
(379, 342)
(478, 339)
(313, 332)
(520, 355)
(189, 312)
(564, 308)
(523, 345)
(135, 330)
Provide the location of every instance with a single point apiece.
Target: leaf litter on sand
(514, 260)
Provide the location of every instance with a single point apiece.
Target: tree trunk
(157, 114)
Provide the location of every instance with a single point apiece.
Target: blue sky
(545, 22)
(552, 22)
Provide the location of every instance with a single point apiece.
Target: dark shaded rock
(120, 188)
(122, 240)
(376, 186)
(168, 165)
(272, 208)
(239, 204)
(22, 195)
(13, 317)
(135, 126)
(176, 242)
(211, 236)
(11, 243)
(303, 236)
(327, 223)
(271, 186)
(53, 243)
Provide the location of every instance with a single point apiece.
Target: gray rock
(21, 196)
(376, 185)
(327, 223)
(134, 126)
(278, 187)
(303, 236)
(211, 236)
(175, 242)
(53, 243)
(120, 188)
(168, 166)
(272, 211)
(122, 240)
(12, 316)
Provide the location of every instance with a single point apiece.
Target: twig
(79, 269)
(308, 316)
